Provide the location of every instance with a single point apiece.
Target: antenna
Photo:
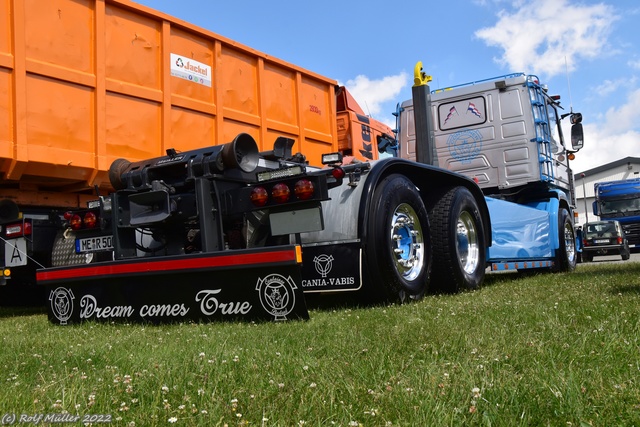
(566, 68)
(367, 106)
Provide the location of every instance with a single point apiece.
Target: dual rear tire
(412, 250)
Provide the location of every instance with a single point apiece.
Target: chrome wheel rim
(467, 245)
(407, 242)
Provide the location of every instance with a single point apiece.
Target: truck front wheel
(566, 253)
(458, 242)
(398, 241)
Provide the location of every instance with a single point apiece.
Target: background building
(626, 168)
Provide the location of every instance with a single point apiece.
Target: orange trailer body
(84, 82)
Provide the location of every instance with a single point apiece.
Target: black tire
(587, 257)
(398, 241)
(459, 247)
(626, 253)
(565, 258)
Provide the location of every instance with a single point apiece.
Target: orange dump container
(83, 82)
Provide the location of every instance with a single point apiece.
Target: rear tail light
(82, 220)
(90, 220)
(75, 222)
(619, 240)
(280, 193)
(18, 230)
(259, 196)
(304, 189)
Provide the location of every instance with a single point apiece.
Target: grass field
(546, 350)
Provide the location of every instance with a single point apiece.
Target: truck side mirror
(577, 137)
(594, 207)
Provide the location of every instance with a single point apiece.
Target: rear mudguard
(257, 284)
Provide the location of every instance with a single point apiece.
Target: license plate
(601, 241)
(299, 221)
(94, 244)
(15, 252)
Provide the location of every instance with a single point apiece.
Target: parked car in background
(604, 238)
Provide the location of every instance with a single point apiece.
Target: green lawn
(552, 349)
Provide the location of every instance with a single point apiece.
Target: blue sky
(586, 51)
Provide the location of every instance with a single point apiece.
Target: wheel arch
(562, 203)
(429, 180)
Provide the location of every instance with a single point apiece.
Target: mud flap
(331, 268)
(251, 285)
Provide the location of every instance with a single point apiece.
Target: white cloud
(615, 137)
(609, 86)
(372, 94)
(635, 64)
(538, 36)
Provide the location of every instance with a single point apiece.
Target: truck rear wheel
(565, 259)
(398, 241)
(458, 242)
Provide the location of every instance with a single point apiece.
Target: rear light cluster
(281, 193)
(82, 220)
(19, 229)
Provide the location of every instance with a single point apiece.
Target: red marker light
(27, 228)
(337, 173)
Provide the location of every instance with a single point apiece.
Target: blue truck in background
(620, 200)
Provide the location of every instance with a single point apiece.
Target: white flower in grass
(172, 420)
(475, 392)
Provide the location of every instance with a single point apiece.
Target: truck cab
(503, 132)
(620, 200)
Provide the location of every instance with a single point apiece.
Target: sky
(587, 51)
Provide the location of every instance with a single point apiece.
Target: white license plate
(15, 252)
(94, 244)
(601, 241)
